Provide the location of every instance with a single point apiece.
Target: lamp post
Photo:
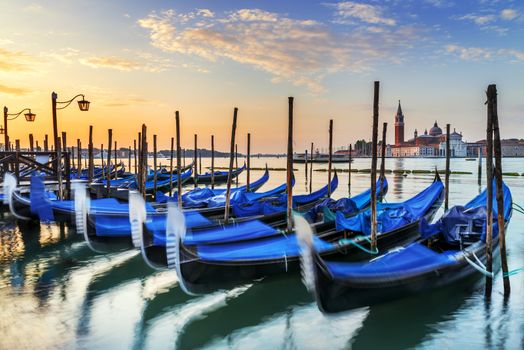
(29, 116)
(83, 104)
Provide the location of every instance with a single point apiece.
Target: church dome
(435, 130)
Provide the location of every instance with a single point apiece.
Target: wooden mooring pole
(497, 148)
(289, 177)
(383, 158)
(109, 143)
(349, 170)
(330, 155)
(155, 170)
(480, 166)
(236, 163)
(231, 159)
(374, 168)
(311, 169)
(31, 146)
(144, 156)
(178, 161)
(171, 155)
(46, 143)
(212, 161)
(306, 167)
(489, 193)
(79, 158)
(91, 160)
(195, 163)
(248, 173)
(448, 155)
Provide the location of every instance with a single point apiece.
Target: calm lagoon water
(56, 293)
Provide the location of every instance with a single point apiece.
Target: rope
(513, 272)
(480, 267)
(345, 241)
(518, 208)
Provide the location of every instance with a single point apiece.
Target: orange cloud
(9, 90)
(298, 51)
(14, 61)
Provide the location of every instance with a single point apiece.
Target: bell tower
(399, 126)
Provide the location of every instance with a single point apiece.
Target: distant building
(429, 144)
(510, 148)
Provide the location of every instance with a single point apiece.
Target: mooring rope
(345, 241)
(479, 266)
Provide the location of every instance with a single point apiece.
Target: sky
(139, 61)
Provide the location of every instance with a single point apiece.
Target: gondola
(152, 237)
(219, 176)
(42, 205)
(207, 267)
(451, 251)
(105, 227)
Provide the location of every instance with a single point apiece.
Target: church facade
(429, 144)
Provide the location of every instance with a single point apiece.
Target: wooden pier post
(480, 165)
(289, 177)
(91, 166)
(195, 163)
(489, 193)
(155, 176)
(79, 158)
(135, 155)
(178, 161)
(171, 155)
(349, 170)
(104, 170)
(72, 150)
(184, 151)
(64, 141)
(144, 161)
(446, 181)
(129, 159)
(116, 157)
(497, 148)
(109, 143)
(305, 167)
(59, 168)
(311, 169)
(231, 159)
(330, 155)
(31, 146)
(37, 147)
(248, 173)
(236, 163)
(383, 157)
(374, 168)
(212, 161)
(46, 143)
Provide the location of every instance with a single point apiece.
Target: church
(429, 144)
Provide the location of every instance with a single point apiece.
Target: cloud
(298, 51)
(206, 13)
(360, 11)
(14, 61)
(9, 90)
(111, 62)
(479, 53)
(508, 14)
(478, 19)
(66, 55)
(34, 7)
(440, 3)
(469, 53)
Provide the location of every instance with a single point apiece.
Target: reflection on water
(55, 293)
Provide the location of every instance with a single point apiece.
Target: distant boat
(321, 158)
(470, 159)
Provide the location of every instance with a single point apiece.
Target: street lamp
(83, 104)
(29, 116)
